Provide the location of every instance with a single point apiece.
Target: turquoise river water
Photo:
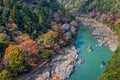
(90, 69)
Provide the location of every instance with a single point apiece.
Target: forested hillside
(30, 17)
(90, 5)
(30, 30)
(107, 11)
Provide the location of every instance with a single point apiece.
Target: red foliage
(30, 46)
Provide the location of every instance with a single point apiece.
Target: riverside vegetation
(31, 31)
(107, 12)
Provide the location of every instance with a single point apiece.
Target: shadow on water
(79, 41)
(102, 62)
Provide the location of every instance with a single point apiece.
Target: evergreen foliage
(112, 71)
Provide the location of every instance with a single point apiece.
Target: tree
(112, 71)
(6, 3)
(3, 38)
(46, 40)
(5, 75)
(3, 43)
(30, 46)
(45, 54)
(118, 27)
(14, 58)
(54, 34)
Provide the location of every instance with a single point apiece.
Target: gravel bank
(104, 35)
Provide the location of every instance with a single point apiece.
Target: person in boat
(89, 48)
(102, 64)
(80, 61)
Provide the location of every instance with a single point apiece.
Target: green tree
(3, 38)
(5, 75)
(112, 71)
(46, 40)
(45, 54)
(118, 27)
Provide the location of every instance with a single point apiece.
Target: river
(90, 69)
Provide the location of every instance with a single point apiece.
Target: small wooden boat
(89, 49)
(80, 61)
(102, 64)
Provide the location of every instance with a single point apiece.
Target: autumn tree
(5, 75)
(14, 58)
(30, 46)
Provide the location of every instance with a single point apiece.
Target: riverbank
(92, 60)
(104, 35)
(59, 67)
(62, 65)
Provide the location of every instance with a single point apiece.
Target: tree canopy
(14, 58)
(118, 27)
(5, 75)
(112, 71)
(30, 46)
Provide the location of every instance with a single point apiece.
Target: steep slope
(31, 32)
(106, 11)
(29, 17)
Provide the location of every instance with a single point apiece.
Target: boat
(80, 61)
(89, 49)
(102, 64)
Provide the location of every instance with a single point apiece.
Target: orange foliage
(14, 58)
(11, 49)
(30, 46)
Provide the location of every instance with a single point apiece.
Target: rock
(43, 76)
(105, 36)
(64, 70)
(61, 65)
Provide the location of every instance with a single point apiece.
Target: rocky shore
(62, 65)
(104, 35)
(59, 68)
